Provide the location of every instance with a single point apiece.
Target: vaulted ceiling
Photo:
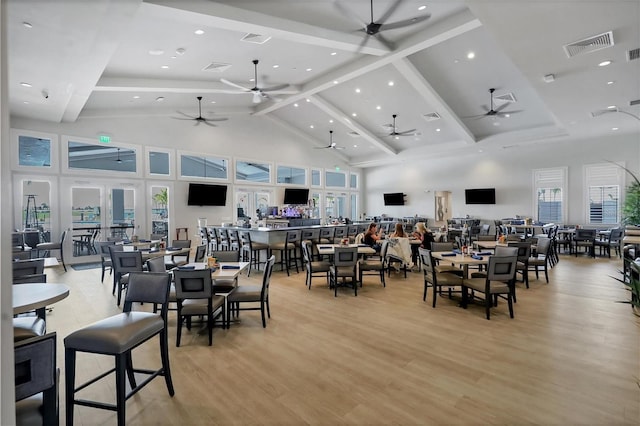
(108, 58)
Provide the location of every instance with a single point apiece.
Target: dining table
(151, 253)
(37, 296)
(329, 249)
(463, 260)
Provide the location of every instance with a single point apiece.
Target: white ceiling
(92, 58)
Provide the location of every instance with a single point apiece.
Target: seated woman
(372, 237)
(425, 236)
(399, 232)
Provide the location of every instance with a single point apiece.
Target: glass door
(160, 210)
(251, 204)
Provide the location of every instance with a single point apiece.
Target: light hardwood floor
(570, 356)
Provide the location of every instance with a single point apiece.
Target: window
(291, 175)
(335, 179)
(315, 177)
(354, 206)
(34, 151)
(353, 181)
(603, 182)
(88, 156)
(249, 171)
(550, 192)
(203, 167)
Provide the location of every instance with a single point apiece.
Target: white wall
(246, 137)
(507, 170)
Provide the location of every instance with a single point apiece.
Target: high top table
(29, 297)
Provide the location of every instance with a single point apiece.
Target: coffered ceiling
(108, 58)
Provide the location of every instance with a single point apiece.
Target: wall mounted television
(201, 194)
(394, 199)
(296, 195)
(480, 196)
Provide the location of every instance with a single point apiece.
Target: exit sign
(105, 138)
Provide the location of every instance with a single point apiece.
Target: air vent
(634, 103)
(216, 67)
(431, 116)
(589, 45)
(633, 54)
(256, 38)
(354, 134)
(507, 97)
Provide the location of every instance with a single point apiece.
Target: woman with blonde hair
(423, 234)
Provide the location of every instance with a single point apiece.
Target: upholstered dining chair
(201, 253)
(251, 251)
(102, 248)
(434, 279)
(178, 260)
(253, 295)
(48, 247)
(36, 378)
(124, 262)
(499, 282)
(542, 259)
(225, 285)
(345, 260)
(585, 238)
(313, 267)
(524, 253)
(27, 267)
(194, 294)
(117, 336)
(439, 267)
(373, 265)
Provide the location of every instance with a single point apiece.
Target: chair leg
(487, 305)
(510, 302)
(268, 308)
(179, 330)
(264, 320)
(435, 295)
(129, 367)
(70, 375)
(210, 325)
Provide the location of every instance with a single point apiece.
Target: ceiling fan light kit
(332, 144)
(257, 92)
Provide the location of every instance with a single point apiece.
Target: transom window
(251, 171)
(203, 167)
(291, 175)
(100, 157)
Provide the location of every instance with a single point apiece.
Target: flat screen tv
(480, 196)
(296, 195)
(394, 199)
(201, 194)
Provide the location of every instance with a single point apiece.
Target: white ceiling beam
(110, 84)
(336, 114)
(231, 18)
(315, 142)
(428, 93)
(431, 36)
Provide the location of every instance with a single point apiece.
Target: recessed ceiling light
(422, 7)
(295, 105)
(23, 84)
(390, 83)
(604, 63)
(311, 126)
(611, 107)
(610, 82)
(252, 80)
(308, 100)
(276, 66)
(180, 51)
(136, 97)
(507, 115)
(331, 121)
(335, 81)
(164, 67)
(437, 130)
(357, 90)
(614, 128)
(397, 138)
(25, 102)
(353, 114)
(378, 107)
(173, 57)
(334, 53)
(27, 24)
(198, 32)
(156, 52)
(471, 55)
(355, 146)
(213, 102)
(309, 69)
(160, 98)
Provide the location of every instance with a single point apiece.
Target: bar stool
(251, 251)
(285, 247)
(326, 235)
(222, 239)
(312, 235)
(118, 336)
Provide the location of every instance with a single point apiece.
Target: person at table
(372, 237)
(426, 238)
(398, 232)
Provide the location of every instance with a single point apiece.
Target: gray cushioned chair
(48, 247)
(374, 265)
(499, 282)
(179, 260)
(345, 260)
(434, 279)
(252, 294)
(118, 336)
(313, 267)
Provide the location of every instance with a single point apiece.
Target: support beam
(428, 93)
(336, 114)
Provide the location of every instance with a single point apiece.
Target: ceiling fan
(394, 129)
(374, 28)
(120, 160)
(199, 119)
(497, 112)
(258, 93)
(332, 144)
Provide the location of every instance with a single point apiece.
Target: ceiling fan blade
(505, 113)
(406, 133)
(388, 12)
(501, 107)
(384, 41)
(232, 84)
(322, 147)
(350, 13)
(207, 123)
(216, 119)
(183, 118)
(274, 88)
(405, 22)
(338, 147)
(186, 115)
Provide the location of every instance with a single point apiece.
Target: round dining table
(29, 297)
